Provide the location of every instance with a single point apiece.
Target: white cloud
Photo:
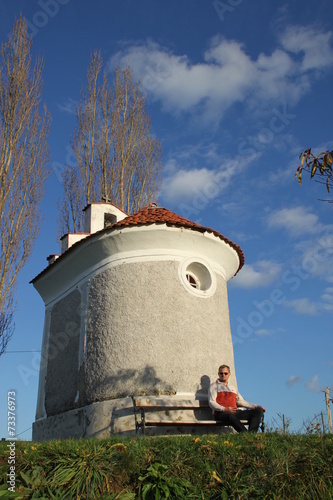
(328, 295)
(198, 186)
(69, 106)
(314, 45)
(227, 74)
(259, 274)
(305, 306)
(316, 262)
(293, 379)
(302, 306)
(297, 221)
(313, 384)
(327, 299)
(219, 81)
(238, 236)
(263, 332)
(186, 184)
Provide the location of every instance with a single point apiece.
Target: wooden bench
(146, 413)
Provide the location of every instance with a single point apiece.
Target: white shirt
(217, 387)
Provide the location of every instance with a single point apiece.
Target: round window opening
(198, 276)
(192, 281)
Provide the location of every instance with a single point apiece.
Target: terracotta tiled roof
(154, 214)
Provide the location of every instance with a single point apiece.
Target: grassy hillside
(261, 466)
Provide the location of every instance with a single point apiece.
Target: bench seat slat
(152, 423)
(156, 423)
(165, 407)
(151, 404)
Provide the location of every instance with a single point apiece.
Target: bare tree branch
(6, 327)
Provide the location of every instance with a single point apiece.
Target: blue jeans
(253, 417)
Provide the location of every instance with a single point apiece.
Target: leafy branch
(318, 166)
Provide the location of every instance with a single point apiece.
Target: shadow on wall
(145, 383)
(204, 386)
(129, 382)
(204, 412)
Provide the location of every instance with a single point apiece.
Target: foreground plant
(158, 484)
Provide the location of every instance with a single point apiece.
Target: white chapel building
(136, 305)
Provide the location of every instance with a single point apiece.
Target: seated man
(224, 400)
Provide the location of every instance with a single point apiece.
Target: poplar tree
(117, 157)
(24, 154)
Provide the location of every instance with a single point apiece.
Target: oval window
(198, 277)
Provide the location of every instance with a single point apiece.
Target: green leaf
(26, 478)
(224, 495)
(8, 494)
(145, 490)
(4, 492)
(166, 490)
(126, 496)
(64, 476)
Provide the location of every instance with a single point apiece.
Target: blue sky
(236, 89)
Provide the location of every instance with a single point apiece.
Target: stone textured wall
(63, 352)
(148, 334)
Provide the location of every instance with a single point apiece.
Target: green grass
(246, 466)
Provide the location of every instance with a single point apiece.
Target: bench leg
(141, 422)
